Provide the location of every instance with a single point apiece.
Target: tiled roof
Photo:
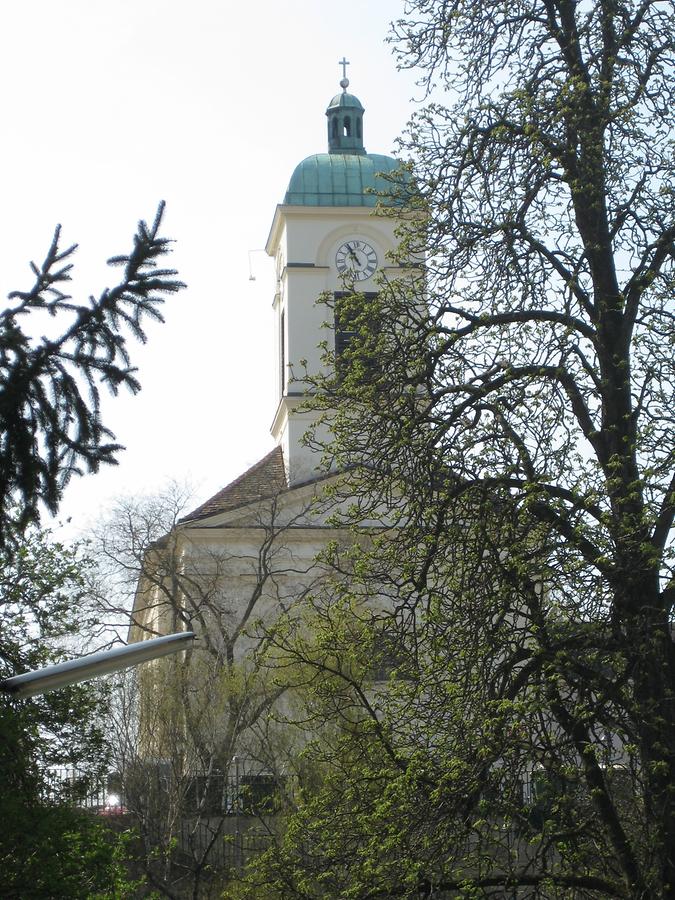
(265, 479)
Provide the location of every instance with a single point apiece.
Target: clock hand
(353, 255)
(358, 260)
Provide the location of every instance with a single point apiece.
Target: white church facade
(250, 552)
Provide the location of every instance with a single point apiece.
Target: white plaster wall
(304, 241)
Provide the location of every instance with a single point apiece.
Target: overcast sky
(108, 107)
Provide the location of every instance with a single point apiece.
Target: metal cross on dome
(344, 63)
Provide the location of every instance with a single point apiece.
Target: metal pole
(94, 664)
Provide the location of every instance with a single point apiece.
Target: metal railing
(82, 789)
(221, 816)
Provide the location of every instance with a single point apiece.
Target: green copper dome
(341, 179)
(346, 175)
(345, 99)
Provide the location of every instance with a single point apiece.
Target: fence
(221, 817)
(224, 849)
(82, 789)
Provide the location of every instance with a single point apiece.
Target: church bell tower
(325, 236)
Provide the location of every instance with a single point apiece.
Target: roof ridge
(262, 480)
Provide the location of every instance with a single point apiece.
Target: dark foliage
(50, 408)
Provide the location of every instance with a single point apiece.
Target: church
(324, 237)
(251, 552)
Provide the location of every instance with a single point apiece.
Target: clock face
(356, 259)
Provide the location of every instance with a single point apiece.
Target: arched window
(358, 128)
(347, 129)
(334, 127)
